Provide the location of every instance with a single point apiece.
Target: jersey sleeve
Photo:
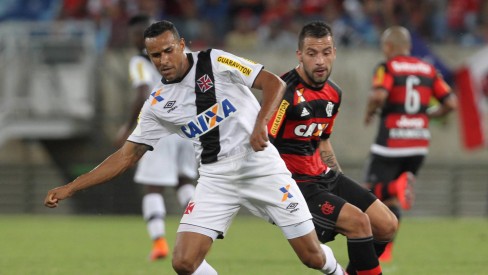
(140, 72)
(241, 70)
(149, 129)
(381, 78)
(441, 89)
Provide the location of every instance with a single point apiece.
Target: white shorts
(258, 181)
(171, 158)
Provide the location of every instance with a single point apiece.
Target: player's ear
(299, 56)
(182, 43)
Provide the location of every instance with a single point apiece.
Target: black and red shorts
(326, 195)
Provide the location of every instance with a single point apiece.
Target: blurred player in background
(172, 163)
(213, 106)
(402, 89)
(300, 130)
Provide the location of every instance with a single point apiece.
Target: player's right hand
(55, 195)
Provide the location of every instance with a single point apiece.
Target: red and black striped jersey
(305, 116)
(411, 84)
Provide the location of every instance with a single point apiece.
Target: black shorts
(326, 195)
(381, 169)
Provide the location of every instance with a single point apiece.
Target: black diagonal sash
(205, 98)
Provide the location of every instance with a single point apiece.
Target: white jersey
(213, 106)
(172, 157)
(215, 91)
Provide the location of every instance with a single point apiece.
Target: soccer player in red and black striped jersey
(403, 86)
(300, 130)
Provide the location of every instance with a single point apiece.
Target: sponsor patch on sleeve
(234, 64)
(278, 119)
(379, 76)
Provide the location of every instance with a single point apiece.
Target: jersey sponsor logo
(279, 117)
(409, 133)
(300, 97)
(329, 108)
(305, 112)
(314, 129)
(156, 97)
(209, 119)
(286, 194)
(379, 76)
(405, 122)
(189, 208)
(232, 63)
(406, 67)
(327, 208)
(205, 83)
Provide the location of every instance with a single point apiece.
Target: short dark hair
(137, 19)
(158, 28)
(316, 29)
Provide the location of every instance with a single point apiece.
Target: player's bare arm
(449, 105)
(376, 100)
(328, 156)
(273, 89)
(114, 165)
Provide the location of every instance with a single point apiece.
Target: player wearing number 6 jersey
(403, 86)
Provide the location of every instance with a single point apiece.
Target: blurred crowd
(274, 24)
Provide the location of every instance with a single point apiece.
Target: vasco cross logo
(189, 208)
(204, 83)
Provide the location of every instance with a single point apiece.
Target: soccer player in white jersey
(172, 163)
(205, 96)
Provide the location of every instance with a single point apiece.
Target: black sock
(362, 256)
(379, 247)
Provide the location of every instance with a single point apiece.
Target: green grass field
(119, 245)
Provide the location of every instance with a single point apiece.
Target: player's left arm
(328, 156)
(273, 89)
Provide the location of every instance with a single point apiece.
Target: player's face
(316, 59)
(167, 54)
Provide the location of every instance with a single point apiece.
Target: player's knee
(183, 265)
(388, 228)
(362, 224)
(314, 260)
(357, 225)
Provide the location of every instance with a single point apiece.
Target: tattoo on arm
(329, 159)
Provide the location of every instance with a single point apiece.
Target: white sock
(205, 269)
(331, 267)
(185, 193)
(154, 211)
